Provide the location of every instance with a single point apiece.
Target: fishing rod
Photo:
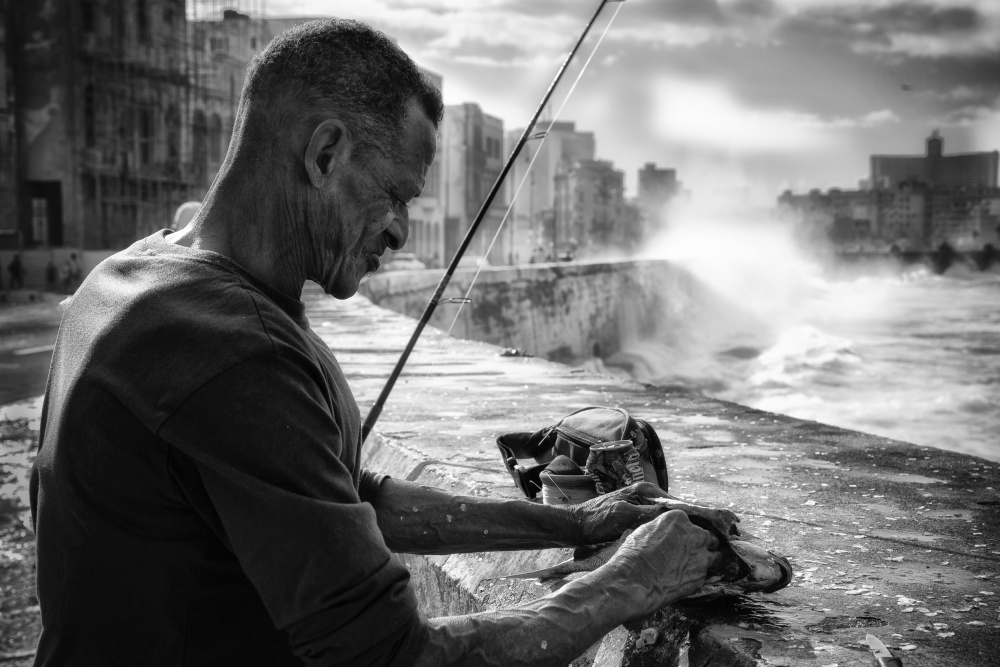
(376, 409)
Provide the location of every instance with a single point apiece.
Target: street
(27, 333)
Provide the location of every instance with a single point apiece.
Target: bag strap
(656, 454)
(523, 445)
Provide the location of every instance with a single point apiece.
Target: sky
(744, 98)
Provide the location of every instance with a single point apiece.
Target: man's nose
(397, 232)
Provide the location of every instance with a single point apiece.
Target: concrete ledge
(566, 312)
(886, 537)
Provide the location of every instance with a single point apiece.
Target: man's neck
(237, 222)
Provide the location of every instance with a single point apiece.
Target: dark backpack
(573, 436)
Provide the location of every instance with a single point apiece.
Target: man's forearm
(659, 563)
(550, 631)
(421, 520)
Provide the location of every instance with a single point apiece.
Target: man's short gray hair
(343, 66)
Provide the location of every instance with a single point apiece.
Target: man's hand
(666, 559)
(723, 520)
(605, 518)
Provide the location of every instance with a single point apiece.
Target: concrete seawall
(562, 312)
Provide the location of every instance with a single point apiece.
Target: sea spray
(900, 352)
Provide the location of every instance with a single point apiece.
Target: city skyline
(749, 97)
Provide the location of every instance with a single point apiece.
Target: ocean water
(888, 350)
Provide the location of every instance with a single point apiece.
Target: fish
(585, 559)
(745, 568)
(751, 569)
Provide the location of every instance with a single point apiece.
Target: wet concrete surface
(887, 538)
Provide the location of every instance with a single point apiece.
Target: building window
(40, 220)
(89, 117)
(173, 123)
(199, 131)
(215, 138)
(146, 136)
(142, 20)
(87, 16)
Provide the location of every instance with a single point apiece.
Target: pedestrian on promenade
(51, 274)
(64, 274)
(198, 497)
(16, 271)
(75, 272)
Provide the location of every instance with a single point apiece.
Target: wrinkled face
(365, 210)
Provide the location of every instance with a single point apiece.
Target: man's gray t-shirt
(198, 497)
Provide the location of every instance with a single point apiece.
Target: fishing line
(462, 301)
(527, 172)
(570, 490)
(383, 396)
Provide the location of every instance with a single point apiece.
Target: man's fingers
(645, 491)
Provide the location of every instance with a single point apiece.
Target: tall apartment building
(124, 111)
(657, 186)
(590, 215)
(532, 218)
(472, 146)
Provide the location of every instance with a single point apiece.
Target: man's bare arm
(661, 562)
(423, 520)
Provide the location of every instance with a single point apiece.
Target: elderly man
(198, 497)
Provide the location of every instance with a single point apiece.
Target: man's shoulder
(159, 323)
(168, 291)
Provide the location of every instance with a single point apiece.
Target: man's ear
(328, 149)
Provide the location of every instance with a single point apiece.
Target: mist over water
(896, 352)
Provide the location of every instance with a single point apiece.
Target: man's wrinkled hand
(722, 520)
(666, 559)
(606, 517)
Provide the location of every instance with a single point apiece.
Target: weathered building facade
(124, 111)
(472, 143)
(8, 146)
(591, 211)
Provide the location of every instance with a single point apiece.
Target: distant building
(968, 170)
(472, 143)
(590, 207)
(532, 216)
(911, 203)
(657, 187)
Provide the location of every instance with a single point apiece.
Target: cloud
(981, 123)
(707, 115)
(912, 28)
(754, 9)
(685, 12)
